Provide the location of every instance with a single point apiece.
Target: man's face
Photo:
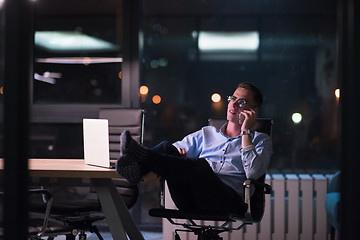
(234, 110)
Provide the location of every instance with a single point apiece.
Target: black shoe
(130, 169)
(129, 146)
(130, 164)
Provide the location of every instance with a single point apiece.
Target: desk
(117, 215)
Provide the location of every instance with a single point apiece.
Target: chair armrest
(247, 194)
(162, 192)
(257, 184)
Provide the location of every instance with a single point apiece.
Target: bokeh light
(163, 62)
(154, 63)
(296, 118)
(144, 90)
(156, 99)
(86, 61)
(337, 93)
(216, 97)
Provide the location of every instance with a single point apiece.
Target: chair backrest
(261, 125)
(119, 120)
(334, 183)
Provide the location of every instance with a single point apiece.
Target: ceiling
(189, 7)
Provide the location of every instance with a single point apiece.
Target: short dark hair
(258, 96)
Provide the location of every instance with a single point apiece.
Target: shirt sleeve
(191, 143)
(256, 157)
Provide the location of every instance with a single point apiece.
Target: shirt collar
(223, 129)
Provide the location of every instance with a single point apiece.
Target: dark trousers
(192, 183)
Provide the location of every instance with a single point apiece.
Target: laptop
(96, 143)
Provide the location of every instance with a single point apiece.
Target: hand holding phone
(247, 118)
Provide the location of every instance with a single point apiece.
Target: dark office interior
(304, 51)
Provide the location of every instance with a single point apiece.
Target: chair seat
(178, 214)
(128, 192)
(81, 222)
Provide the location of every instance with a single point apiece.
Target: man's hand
(250, 118)
(182, 152)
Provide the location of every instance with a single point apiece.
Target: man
(205, 171)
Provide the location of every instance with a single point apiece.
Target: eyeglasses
(239, 101)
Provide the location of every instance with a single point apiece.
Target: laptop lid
(96, 142)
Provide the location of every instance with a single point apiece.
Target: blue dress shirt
(232, 163)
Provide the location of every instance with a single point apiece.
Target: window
(78, 60)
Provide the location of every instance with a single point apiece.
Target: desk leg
(117, 215)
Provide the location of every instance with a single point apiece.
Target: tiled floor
(105, 233)
(107, 236)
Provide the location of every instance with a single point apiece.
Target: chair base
(202, 233)
(83, 223)
(172, 214)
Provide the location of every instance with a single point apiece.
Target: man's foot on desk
(132, 155)
(129, 146)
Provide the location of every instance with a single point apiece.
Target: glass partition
(189, 51)
(194, 50)
(288, 49)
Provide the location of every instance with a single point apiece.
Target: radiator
(294, 211)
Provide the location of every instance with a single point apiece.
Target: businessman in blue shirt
(205, 171)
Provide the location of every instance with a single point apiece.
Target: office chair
(82, 214)
(41, 225)
(332, 204)
(254, 214)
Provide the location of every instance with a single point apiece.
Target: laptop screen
(96, 142)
